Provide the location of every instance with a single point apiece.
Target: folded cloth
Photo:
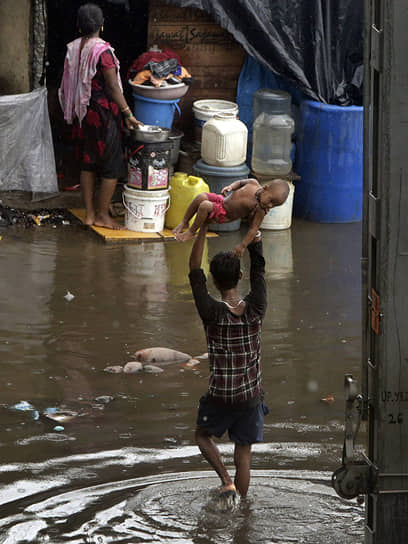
(162, 69)
(183, 76)
(156, 56)
(141, 77)
(146, 77)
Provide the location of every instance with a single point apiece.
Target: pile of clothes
(158, 68)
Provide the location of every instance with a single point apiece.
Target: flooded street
(125, 468)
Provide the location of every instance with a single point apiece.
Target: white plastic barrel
(224, 140)
(145, 210)
(280, 217)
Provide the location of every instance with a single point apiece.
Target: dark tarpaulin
(317, 45)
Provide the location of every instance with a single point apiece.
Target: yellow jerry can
(183, 188)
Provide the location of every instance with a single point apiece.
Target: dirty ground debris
(24, 218)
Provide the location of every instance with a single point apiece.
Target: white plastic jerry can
(224, 140)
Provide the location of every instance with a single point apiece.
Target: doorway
(125, 28)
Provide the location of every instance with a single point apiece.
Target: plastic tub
(204, 110)
(280, 217)
(217, 178)
(169, 92)
(154, 112)
(330, 162)
(145, 210)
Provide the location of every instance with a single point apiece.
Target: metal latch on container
(352, 480)
(356, 475)
(376, 48)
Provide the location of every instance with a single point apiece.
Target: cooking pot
(151, 133)
(175, 137)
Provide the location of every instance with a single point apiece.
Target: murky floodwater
(126, 468)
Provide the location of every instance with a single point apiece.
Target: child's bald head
(278, 190)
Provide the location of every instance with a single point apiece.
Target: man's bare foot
(184, 236)
(180, 227)
(227, 489)
(228, 498)
(107, 222)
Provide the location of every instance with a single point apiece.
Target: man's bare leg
(87, 181)
(191, 210)
(212, 455)
(242, 461)
(103, 218)
(203, 212)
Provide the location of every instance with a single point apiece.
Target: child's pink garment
(218, 214)
(79, 69)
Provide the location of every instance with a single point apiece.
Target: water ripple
(283, 507)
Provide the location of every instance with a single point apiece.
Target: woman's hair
(225, 269)
(89, 19)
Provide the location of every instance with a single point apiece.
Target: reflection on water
(29, 287)
(128, 297)
(284, 506)
(279, 256)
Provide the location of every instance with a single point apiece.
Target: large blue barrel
(217, 178)
(155, 112)
(330, 163)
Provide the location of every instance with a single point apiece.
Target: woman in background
(92, 100)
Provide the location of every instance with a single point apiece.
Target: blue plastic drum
(330, 163)
(155, 112)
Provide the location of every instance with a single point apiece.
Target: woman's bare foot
(89, 218)
(184, 236)
(107, 222)
(180, 227)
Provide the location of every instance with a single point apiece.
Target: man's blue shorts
(243, 426)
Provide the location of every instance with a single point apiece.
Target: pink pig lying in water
(161, 355)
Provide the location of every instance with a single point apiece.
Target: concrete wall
(15, 46)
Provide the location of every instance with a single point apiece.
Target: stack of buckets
(146, 196)
(223, 141)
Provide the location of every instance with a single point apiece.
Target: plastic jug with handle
(183, 188)
(224, 140)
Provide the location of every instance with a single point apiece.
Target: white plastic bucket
(145, 210)
(206, 109)
(280, 217)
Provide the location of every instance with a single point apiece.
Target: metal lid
(271, 101)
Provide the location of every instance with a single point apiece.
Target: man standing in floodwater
(234, 400)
